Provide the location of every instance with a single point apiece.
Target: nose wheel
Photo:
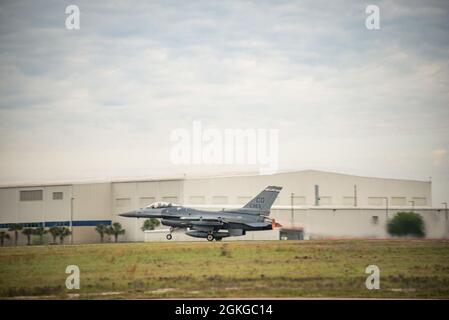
(169, 236)
(210, 237)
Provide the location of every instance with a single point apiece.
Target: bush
(150, 224)
(406, 224)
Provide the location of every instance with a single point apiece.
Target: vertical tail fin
(264, 200)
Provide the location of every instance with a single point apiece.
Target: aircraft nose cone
(128, 214)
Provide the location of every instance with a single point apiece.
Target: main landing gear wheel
(210, 237)
(218, 239)
(169, 236)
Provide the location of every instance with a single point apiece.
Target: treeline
(59, 233)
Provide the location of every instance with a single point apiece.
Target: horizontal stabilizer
(258, 224)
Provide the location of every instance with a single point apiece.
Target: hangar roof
(175, 177)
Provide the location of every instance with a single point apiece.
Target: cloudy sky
(100, 102)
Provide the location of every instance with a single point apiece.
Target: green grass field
(409, 269)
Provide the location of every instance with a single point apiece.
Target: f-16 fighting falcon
(214, 225)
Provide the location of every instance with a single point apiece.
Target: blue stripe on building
(76, 223)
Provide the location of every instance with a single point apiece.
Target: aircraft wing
(211, 223)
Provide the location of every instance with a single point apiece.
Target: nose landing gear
(210, 237)
(169, 236)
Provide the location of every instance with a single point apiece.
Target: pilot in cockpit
(159, 205)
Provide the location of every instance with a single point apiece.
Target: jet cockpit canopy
(160, 205)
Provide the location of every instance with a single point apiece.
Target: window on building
(376, 201)
(123, 202)
(243, 199)
(398, 201)
(298, 200)
(325, 200)
(145, 201)
(32, 225)
(220, 200)
(375, 219)
(170, 199)
(31, 195)
(348, 201)
(58, 195)
(420, 201)
(196, 200)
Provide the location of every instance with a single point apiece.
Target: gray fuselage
(213, 224)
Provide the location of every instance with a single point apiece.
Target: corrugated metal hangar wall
(343, 206)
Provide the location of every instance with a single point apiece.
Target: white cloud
(102, 101)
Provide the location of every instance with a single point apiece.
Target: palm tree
(3, 236)
(116, 229)
(40, 231)
(63, 232)
(16, 228)
(28, 232)
(101, 229)
(54, 231)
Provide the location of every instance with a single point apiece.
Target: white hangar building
(319, 204)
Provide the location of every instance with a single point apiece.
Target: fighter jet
(214, 225)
